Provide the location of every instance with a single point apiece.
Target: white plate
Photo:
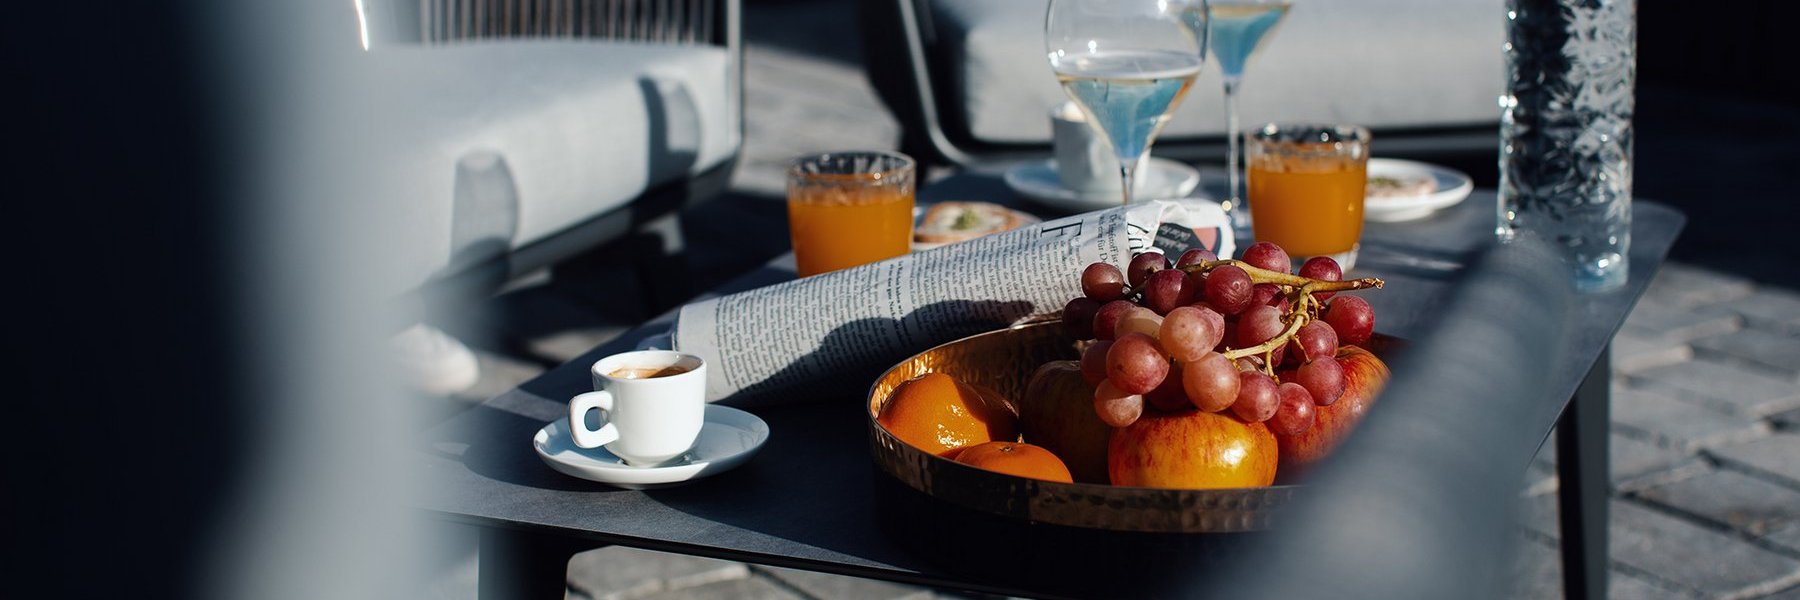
(1025, 219)
(1163, 179)
(729, 438)
(1452, 187)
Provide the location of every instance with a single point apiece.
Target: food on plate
(947, 222)
(1057, 413)
(1202, 373)
(1016, 458)
(940, 415)
(1192, 450)
(1399, 186)
(1249, 341)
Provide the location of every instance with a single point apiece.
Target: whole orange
(1016, 458)
(1192, 450)
(938, 414)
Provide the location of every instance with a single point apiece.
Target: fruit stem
(1299, 320)
(1261, 275)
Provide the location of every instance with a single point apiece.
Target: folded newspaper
(833, 333)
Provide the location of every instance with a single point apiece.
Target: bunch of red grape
(1215, 334)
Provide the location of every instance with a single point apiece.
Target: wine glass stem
(1234, 144)
(1127, 172)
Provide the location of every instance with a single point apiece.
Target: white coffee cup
(646, 420)
(1085, 161)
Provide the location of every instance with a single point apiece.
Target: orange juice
(1309, 205)
(838, 224)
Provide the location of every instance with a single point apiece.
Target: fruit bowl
(1003, 361)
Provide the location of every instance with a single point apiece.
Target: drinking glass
(849, 208)
(1239, 29)
(1126, 64)
(1307, 184)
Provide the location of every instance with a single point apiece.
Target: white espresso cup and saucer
(647, 423)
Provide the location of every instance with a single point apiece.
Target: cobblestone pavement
(1706, 398)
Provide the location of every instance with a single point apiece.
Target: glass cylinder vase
(1565, 129)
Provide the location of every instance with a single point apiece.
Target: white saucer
(1163, 179)
(1452, 187)
(729, 438)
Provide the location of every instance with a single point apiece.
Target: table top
(807, 500)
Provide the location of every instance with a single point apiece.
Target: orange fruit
(1016, 458)
(938, 414)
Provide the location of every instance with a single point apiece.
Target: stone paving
(1706, 398)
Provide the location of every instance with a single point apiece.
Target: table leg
(517, 565)
(1583, 479)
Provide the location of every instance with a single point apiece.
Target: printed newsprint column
(836, 331)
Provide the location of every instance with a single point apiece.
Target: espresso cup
(1085, 161)
(652, 405)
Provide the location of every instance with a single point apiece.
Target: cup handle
(592, 438)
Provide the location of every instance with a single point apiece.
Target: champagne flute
(1126, 64)
(1239, 29)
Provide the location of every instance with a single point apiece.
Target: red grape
(1188, 333)
(1078, 318)
(1115, 407)
(1138, 320)
(1323, 268)
(1312, 341)
(1294, 415)
(1269, 294)
(1211, 383)
(1106, 320)
(1135, 364)
(1256, 400)
(1143, 265)
(1169, 396)
(1093, 362)
(1353, 319)
(1197, 281)
(1258, 325)
(1195, 256)
(1228, 289)
(1167, 289)
(1266, 255)
(1324, 378)
(1102, 282)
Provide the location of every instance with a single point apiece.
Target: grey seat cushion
(501, 144)
(1377, 63)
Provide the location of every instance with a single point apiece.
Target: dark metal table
(806, 501)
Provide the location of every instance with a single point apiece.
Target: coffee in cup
(652, 405)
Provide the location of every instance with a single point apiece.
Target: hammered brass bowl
(1004, 361)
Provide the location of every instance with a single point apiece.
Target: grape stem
(1261, 275)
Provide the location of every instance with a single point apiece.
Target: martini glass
(1127, 64)
(1239, 29)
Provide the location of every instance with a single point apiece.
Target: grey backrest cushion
(1377, 63)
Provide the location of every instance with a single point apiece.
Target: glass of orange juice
(849, 208)
(1307, 184)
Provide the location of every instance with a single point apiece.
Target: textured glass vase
(1565, 129)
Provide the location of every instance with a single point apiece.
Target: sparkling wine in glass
(1239, 29)
(1126, 64)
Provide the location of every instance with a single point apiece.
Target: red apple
(1192, 450)
(1364, 376)
(1058, 415)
